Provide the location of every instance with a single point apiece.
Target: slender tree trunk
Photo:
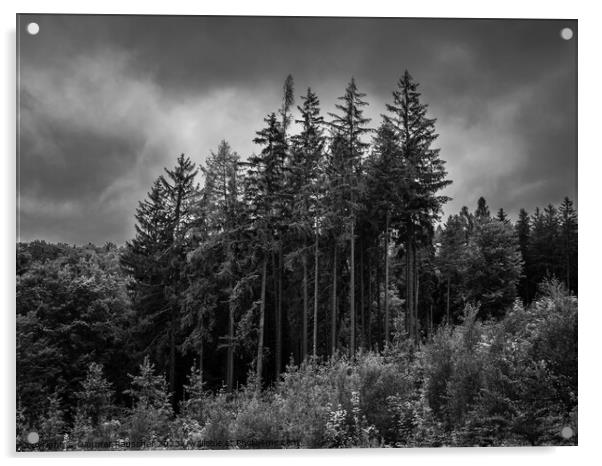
(305, 310)
(568, 273)
(447, 305)
(316, 285)
(279, 314)
(369, 316)
(410, 289)
(431, 321)
(352, 292)
(408, 319)
(261, 324)
(387, 317)
(174, 307)
(417, 290)
(362, 303)
(568, 263)
(379, 326)
(201, 359)
(333, 323)
(230, 357)
(172, 354)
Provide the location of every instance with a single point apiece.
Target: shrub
(148, 423)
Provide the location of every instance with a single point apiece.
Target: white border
(590, 168)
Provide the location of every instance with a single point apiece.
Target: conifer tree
(95, 400)
(387, 184)
(348, 127)
(306, 176)
(215, 263)
(469, 221)
(452, 257)
(493, 268)
(194, 391)
(264, 185)
(151, 410)
(156, 258)
(523, 233)
(143, 258)
(568, 233)
(284, 198)
(502, 216)
(425, 176)
(181, 193)
(482, 212)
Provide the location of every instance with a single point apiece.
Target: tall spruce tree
(182, 193)
(348, 127)
(264, 185)
(306, 176)
(156, 260)
(426, 176)
(214, 265)
(284, 199)
(387, 185)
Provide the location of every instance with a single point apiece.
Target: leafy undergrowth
(509, 382)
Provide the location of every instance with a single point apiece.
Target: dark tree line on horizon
(326, 241)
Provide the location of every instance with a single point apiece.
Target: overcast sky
(107, 101)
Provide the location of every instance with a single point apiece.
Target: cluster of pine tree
(288, 254)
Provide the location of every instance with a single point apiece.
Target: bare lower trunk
(387, 317)
(416, 290)
(278, 355)
(316, 284)
(201, 358)
(172, 355)
(333, 323)
(362, 303)
(352, 292)
(230, 357)
(379, 329)
(305, 310)
(410, 290)
(369, 316)
(261, 324)
(447, 306)
(431, 321)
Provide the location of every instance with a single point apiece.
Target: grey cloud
(107, 101)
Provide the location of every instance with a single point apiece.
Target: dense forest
(308, 295)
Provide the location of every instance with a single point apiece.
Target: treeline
(324, 243)
(486, 258)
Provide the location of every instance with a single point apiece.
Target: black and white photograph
(294, 232)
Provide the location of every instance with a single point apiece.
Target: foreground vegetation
(492, 383)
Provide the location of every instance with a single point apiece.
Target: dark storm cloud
(107, 101)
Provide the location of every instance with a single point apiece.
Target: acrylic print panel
(278, 232)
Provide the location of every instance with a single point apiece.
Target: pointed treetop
(482, 211)
(288, 98)
(502, 216)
